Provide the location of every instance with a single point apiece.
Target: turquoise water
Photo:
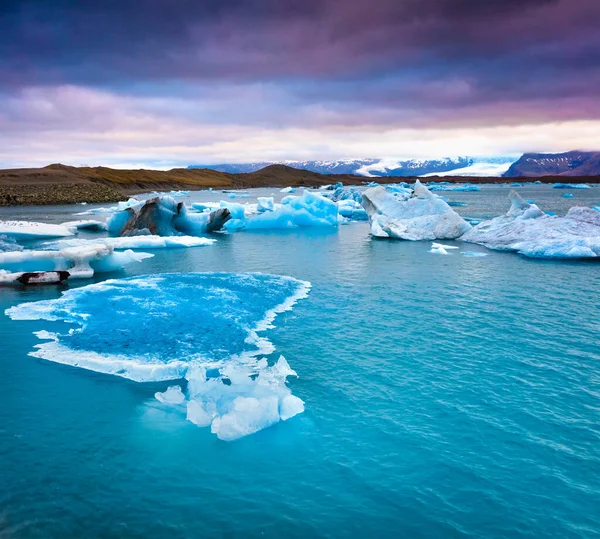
(445, 397)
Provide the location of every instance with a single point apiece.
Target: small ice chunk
(288, 190)
(173, 395)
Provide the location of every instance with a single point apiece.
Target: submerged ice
(209, 334)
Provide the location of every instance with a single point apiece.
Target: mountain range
(372, 168)
(575, 163)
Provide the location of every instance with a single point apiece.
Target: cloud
(81, 126)
(241, 68)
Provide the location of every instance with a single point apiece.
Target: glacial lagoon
(443, 395)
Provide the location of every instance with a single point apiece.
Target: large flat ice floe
(424, 216)
(528, 230)
(29, 230)
(136, 242)
(204, 327)
(80, 262)
(164, 216)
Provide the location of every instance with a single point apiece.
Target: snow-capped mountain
(372, 168)
(573, 163)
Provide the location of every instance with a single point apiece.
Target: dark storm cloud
(430, 55)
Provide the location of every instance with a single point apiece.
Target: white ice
(531, 232)
(137, 242)
(29, 230)
(248, 403)
(81, 262)
(424, 216)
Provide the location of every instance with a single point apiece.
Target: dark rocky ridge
(575, 163)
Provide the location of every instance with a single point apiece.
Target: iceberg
(306, 210)
(80, 262)
(163, 216)
(136, 242)
(568, 195)
(424, 216)
(201, 327)
(29, 230)
(529, 231)
(347, 193)
(288, 190)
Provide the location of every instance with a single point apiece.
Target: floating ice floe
(448, 187)
(568, 195)
(288, 190)
(136, 242)
(424, 216)
(201, 327)
(531, 232)
(95, 226)
(571, 186)
(29, 230)
(81, 262)
(473, 254)
(163, 216)
(441, 249)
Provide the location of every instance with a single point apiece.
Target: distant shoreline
(60, 184)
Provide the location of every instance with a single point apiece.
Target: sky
(164, 83)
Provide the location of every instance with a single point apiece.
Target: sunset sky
(162, 83)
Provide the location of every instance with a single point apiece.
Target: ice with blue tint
(446, 187)
(288, 190)
(306, 210)
(571, 186)
(347, 193)
(529, 231)
(350, 209)
(568, 195)
(238, 215)
(164, 216)
(8, 244)
(91, 225)
(265, 204)
(203, 327)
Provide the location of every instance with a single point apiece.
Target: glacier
(209, 341)
(424, 216)
(529, 231)
(80, 262)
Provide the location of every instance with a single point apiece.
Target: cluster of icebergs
(525, 228)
